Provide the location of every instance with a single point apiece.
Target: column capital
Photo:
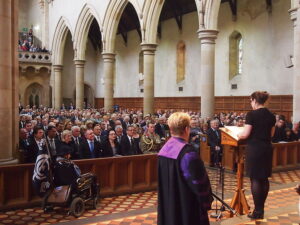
(208, 36)
(149, 48)
(57, 68)
(109, 56)
(293, 15)
(79, 62)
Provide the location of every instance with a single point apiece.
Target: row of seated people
(284, 133)
(92, 144)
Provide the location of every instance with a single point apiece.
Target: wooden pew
(116, 175)
(121, 175)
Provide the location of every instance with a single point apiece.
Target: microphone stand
(225, 204)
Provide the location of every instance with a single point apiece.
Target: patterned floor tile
(136, 202)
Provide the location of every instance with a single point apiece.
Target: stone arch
(59, 40)
(34, 94)
(111, 21)
(151, 14)
(208, 11)
(86, 16)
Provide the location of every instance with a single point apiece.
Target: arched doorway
(89, 97)
(34, 95)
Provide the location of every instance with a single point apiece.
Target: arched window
(180, 61)
(235, 54)
(34, 93)
(141, 68)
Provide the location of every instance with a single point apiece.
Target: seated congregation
(92, 133)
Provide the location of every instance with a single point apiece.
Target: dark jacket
(85, 152)
(75, 148)
(107, 149)
(65, 172)
(129, 149)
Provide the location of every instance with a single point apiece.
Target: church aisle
(140, 208)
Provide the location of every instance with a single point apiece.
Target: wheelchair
(76, 196)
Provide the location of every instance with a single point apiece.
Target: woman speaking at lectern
(259, 128)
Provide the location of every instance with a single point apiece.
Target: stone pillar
(57, 69)
(9, 78)
(207, 71)
(149, 56)
(295, 14)
(109, 66)
(79, 67)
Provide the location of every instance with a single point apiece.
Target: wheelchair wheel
(77, 207)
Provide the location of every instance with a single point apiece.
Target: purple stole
(172, 148)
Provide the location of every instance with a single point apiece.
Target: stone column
(79, 67)
(57, 69)
(149, 56)
(207, 71)
(109, 66)
(295, 14)
(9, 78)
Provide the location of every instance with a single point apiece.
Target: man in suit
(279, 134)
(45, 124)
(75, 143)
(160, 128)
(89, 148)
(214, 141)
(59, 130)
(128, 145)
(36, 144)
(119, 133)
(103, 131)
(52, 141)
(28, 127)
(23, 144)
(22, 121)
(126, 122)
(97, 133)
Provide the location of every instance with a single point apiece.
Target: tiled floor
(120, 207)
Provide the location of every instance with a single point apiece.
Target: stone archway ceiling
(129, 21)
(95, 35)
(233, 6)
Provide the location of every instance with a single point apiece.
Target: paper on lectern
(233, 131)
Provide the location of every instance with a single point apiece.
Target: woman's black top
(259, 148)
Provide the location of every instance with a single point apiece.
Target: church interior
(88, 60)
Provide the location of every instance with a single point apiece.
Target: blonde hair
(178, 121)
(64, 134)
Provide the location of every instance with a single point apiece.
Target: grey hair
(118, 127)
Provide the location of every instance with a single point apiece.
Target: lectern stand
(239, 202)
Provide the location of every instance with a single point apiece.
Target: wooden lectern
(229, 137)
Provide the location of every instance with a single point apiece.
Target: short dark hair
(260, 96)
(281, 117)
(50, 128)
(36, 129)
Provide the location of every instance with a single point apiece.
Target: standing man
(214, 141)
(184, 191)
